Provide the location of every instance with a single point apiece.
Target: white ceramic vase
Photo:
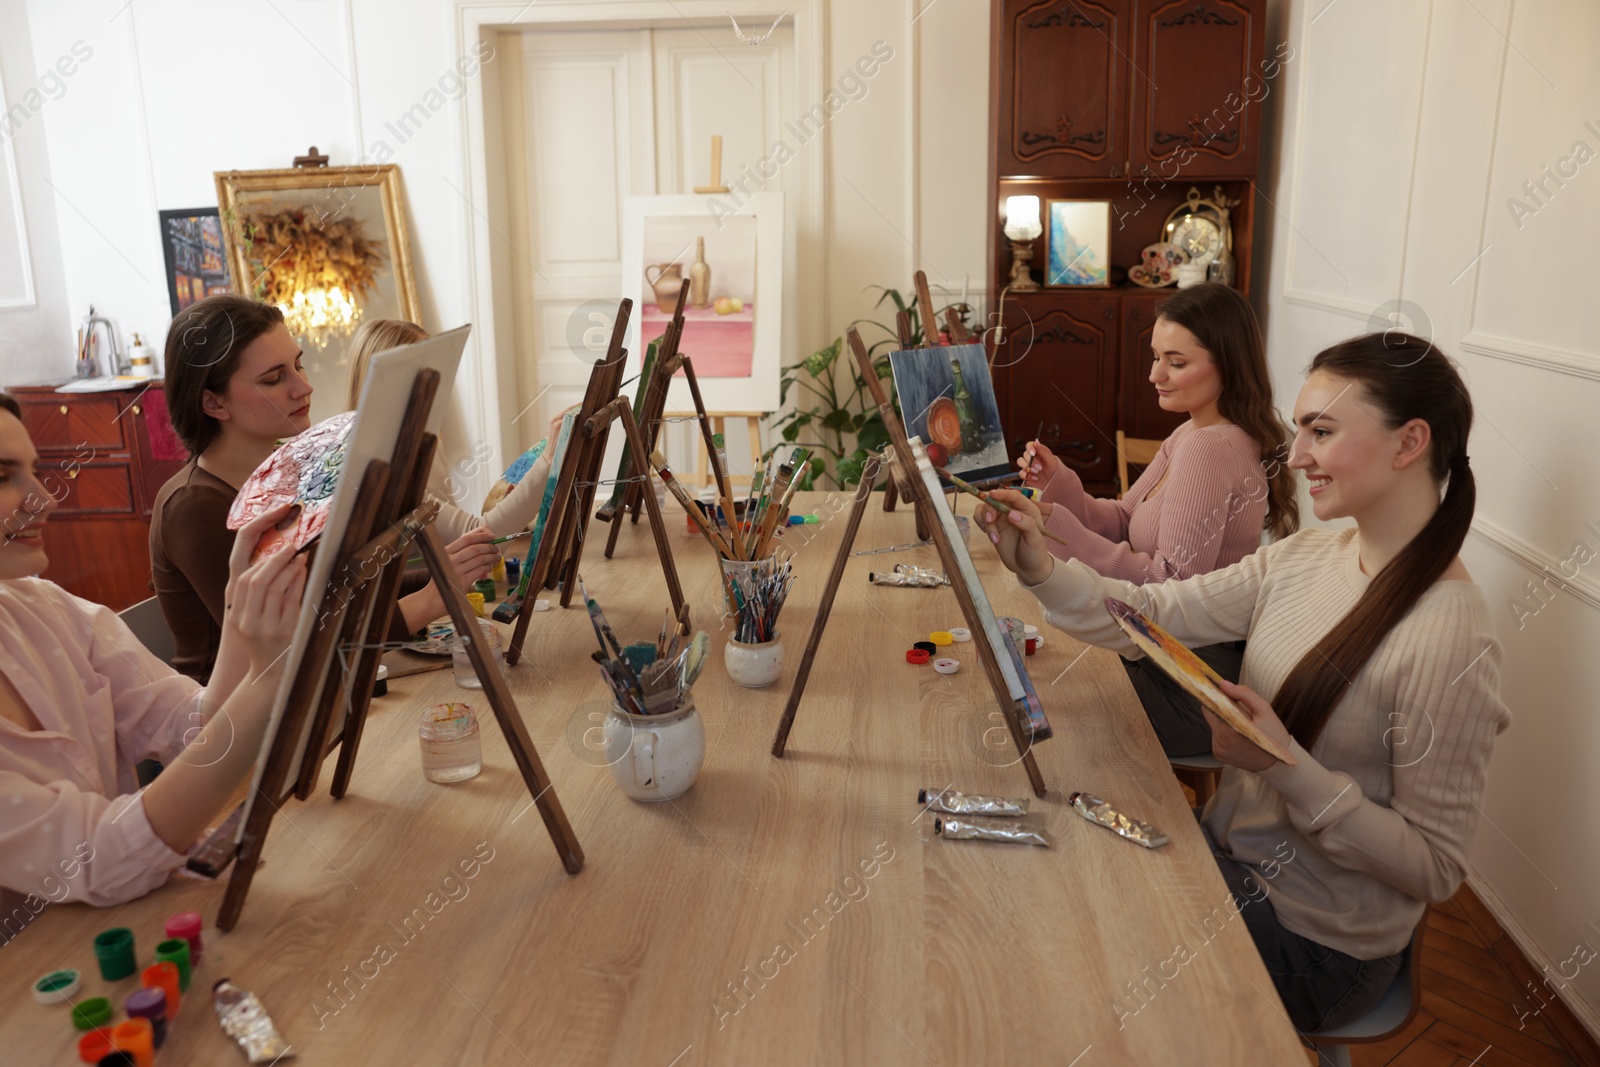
(655, 757)
(754, 666)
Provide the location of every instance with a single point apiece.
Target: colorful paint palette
(1191, 672)
(304, 470)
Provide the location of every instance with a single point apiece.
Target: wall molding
(1582, 585)
(30, 293)
(1355, 309)
(1558, 360)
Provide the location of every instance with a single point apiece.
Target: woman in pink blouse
(81, 701)
(1201, 505)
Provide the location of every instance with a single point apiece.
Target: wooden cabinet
(1064, 111)
(1133, 102)
(1055, 375)
(1193, 116)
(95, 458)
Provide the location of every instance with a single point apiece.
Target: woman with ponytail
(1217, 482)
(1381, 662)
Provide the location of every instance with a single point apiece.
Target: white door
(590, 118)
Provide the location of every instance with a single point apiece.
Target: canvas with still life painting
(717, 257)
(947, 399)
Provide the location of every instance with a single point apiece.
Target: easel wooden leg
(869, 474)
(505, 709)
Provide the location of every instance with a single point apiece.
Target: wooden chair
(1199, 773)
(1139, 451)
(150, 627)
(1392, 1015)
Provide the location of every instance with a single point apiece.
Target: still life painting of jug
(719, 262)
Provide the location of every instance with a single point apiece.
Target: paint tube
(954, 803)
(909, 574)
(1098, 811)
(246, 1021)
(963, 830)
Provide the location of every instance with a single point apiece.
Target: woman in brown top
(235, 387)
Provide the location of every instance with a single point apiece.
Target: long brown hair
(372, 337)
(1405, 378)
(203, 347)
(1225, 325)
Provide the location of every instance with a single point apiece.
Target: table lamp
(1022, 226)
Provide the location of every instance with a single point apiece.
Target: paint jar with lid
(452, 750)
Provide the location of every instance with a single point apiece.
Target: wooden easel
(358, 603)
(667, 363)
(1014, 711)
(556, 562)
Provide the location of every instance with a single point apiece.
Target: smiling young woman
(235, 387)
(82, 700)
(1203, 502)
(1381, 658)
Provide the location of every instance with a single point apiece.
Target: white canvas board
(379, 414)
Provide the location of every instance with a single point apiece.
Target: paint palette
(304, 470)
(436, 639)
(513, 476)
(1160, 266)
(1191, 672)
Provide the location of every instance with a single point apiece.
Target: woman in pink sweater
(1202, 504)
(81, 701)
(1380, 659)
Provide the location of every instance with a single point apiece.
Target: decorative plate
(304, 470)
(1160, 266)
(1198, 236)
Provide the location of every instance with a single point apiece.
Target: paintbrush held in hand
(1004, 509)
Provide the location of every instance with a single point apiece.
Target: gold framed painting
(329, 246)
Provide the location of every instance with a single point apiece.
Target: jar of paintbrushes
(756, 593)
(655, 744)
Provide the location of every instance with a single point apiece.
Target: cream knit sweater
(1380, 814)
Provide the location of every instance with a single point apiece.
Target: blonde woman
(514, 510)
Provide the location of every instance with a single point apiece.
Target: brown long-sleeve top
(189, 547)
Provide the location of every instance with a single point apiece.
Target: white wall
(35, 345)
(1405, 131)
(143, 126)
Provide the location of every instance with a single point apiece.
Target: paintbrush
(725, 489)
(602, 630)
(769, 517)
(1004, 509)
(659, 462)
(496, 541)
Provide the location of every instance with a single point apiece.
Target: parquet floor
(1471, 1009)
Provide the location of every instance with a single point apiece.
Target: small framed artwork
(191, 239)
(1078, 243)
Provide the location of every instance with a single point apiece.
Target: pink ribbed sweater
(1208, 513)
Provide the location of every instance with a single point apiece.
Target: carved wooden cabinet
(95, 458)
(1133, 102)
(1065, 110)
(1195, 114)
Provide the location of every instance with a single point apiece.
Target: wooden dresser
(95, 457)
(1076, 114)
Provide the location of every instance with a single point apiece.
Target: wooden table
(782, 911)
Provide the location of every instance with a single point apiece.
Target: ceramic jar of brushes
(754, 666)
(655, 757)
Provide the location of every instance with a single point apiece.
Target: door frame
(486, 280)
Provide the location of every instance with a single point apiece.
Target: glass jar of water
(452, 750)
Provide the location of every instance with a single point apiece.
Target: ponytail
(1406, 378)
